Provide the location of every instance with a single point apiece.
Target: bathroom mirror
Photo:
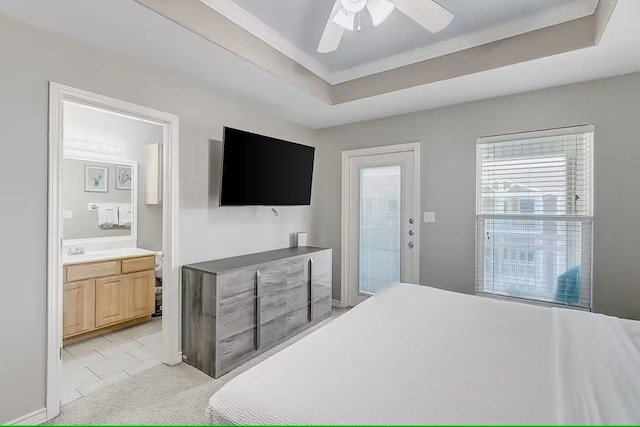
(98, 199)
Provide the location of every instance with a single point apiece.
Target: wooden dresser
(103, 296)
(237, 308)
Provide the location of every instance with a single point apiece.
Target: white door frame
(345, 270)
(170, 227)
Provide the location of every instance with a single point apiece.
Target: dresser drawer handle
(310, 280)
(258, 321)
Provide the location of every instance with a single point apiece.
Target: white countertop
(105, 255)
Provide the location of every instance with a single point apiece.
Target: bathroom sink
(89, 254)
(85, 257)
(103, 255)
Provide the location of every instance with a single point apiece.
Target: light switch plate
(429, 217)
(67, 214)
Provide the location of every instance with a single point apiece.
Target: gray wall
(30, 59)
(130, 136)
(84, 223)
(447, 137)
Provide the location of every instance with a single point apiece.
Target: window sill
(530, 301)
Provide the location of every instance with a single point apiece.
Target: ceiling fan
(346, 16)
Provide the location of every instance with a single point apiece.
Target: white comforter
(414, 354)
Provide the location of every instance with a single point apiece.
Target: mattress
(414, 354)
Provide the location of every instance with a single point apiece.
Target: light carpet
(162, 395)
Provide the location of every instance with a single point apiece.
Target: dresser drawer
(235, 350)
(73, 273)
(296, 271)
(237, 318)
(297, 319)
(321, 308)
(321, 290)
(321, 264)
(298, 296)
(273, 277)
(134, 265)
(237, 286)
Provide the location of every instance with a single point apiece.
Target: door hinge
(60, 353)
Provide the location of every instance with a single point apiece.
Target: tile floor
(90, 365)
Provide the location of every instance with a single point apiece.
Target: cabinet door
(79, 307)
(110, 300)
(140, 288)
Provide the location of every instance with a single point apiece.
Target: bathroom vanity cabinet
(107, 295)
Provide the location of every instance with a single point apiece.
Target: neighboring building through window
(534, 216)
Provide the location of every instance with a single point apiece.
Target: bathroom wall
(120, 139)
(84, 223)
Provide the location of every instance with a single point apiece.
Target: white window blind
(534, 216)
(380, 202)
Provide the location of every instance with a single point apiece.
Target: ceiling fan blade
(427, 13)
(332, 34)
(330, 38)
(345, 20)
(379, 10)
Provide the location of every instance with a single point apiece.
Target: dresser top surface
(230, 264)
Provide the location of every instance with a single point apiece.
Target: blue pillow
(568, 289)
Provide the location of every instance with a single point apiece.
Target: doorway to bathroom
(113, 284)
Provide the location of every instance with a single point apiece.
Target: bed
(415, 354)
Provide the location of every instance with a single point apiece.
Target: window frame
(586, 218)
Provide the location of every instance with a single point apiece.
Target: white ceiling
(114, 26)
(302, 23)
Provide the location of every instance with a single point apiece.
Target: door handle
(310, 290)
(258, 320)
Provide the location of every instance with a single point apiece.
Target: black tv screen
(262, 171)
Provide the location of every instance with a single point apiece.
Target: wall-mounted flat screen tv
(262, 171)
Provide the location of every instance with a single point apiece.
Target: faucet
(77, 250)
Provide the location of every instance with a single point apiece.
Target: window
(534, 216)
(527, 206)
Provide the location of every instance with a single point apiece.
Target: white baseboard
(35, 417)
(175, 360)
(336, 303)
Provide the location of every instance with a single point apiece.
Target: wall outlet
(429, 217)
(67, 214)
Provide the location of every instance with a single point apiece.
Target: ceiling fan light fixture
(344, 19)
(379, 10)
(353, 6)
(345, 15)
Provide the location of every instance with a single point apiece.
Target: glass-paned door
(383, 225)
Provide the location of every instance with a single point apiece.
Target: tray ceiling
(294, 28)
(191, 41)
(302, 22)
